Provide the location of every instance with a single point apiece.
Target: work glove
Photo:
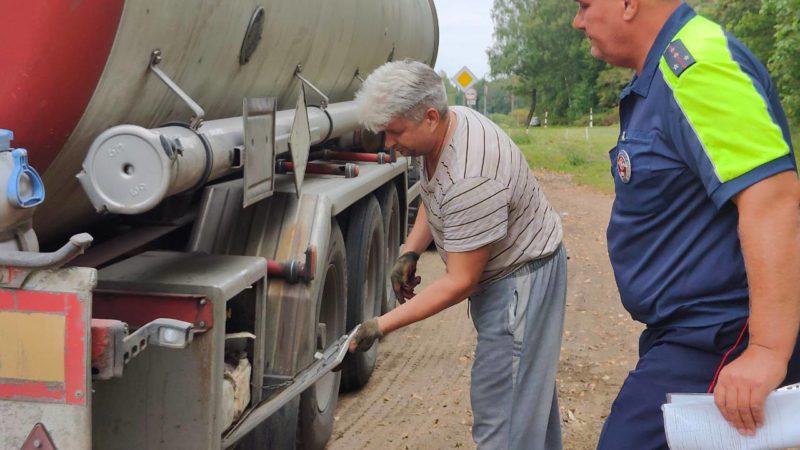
(367, 334)
(403, 276)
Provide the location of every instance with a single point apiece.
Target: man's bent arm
(463, 273)
(420, 236)
(769, 230)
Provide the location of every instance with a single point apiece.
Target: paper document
(693, 422)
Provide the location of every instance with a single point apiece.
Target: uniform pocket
(636, 181)
(513, 307)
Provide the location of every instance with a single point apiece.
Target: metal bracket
(113, 348)
(169, 333)
(295, 271)
(300, 140)
(258, 116)
(199, 113)
(325, 100)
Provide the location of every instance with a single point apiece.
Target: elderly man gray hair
(500, 240)
(404, 88)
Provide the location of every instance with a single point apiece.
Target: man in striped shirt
(500, 240)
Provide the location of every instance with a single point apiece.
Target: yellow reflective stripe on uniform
(728, 114)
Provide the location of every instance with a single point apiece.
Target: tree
(744, 19)
(536, 45)
(450, 88)
(500, 90)
(535, 42)
(784, 63)
(610, 83)
(771, 29)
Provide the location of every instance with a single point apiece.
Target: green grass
(567, 150)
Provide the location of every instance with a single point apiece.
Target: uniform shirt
(483, 193)
(700, 123)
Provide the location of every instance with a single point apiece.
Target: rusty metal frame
(139, 308)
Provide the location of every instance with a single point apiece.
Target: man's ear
(432, 116)
(630, 9)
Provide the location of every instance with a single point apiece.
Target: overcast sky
(465, 32)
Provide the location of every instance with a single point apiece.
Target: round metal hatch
(252, 36)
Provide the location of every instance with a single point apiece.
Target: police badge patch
(624, 168)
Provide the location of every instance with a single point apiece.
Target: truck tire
(366, 263)
(390, 209)
(318, 403)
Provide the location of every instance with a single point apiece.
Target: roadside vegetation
(577, 151)
(542, 67)
(580, 152)
(540, 61)
(796, 141)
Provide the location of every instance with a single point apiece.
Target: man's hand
(744, 384)
(770, 236)
(367, 334)
(403, 276)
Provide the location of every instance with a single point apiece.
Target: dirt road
(418, 397)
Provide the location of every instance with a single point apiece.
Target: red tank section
(52, 56)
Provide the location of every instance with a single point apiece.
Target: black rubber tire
(318, 403)
(366, 263)
(392, 226)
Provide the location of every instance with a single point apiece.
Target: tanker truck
(192, 223)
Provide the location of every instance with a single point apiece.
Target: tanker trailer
(191, 220)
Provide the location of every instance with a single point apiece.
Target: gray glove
(367, 334)
(403, 276)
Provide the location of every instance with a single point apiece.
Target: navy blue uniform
(699, 124)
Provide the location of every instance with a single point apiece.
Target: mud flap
(326, 361)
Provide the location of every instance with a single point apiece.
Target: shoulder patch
(678, 57)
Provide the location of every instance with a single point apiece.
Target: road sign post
(471, 96)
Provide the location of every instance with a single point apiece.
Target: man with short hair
(500, 240)
(703, 237)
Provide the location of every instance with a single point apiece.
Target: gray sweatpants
(519, 320)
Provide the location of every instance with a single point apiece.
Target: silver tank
(201, 40)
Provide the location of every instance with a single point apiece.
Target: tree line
(538, 57)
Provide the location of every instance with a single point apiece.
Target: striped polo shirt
(483, 193)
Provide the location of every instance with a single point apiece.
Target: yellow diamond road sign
(465, 79)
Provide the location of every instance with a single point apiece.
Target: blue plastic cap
(6, 136)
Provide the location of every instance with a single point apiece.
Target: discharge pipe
(131, 169)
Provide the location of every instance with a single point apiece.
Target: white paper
(693, 422)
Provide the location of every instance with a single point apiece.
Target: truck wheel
(318, 403)
(366, 262)
(390, 208)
